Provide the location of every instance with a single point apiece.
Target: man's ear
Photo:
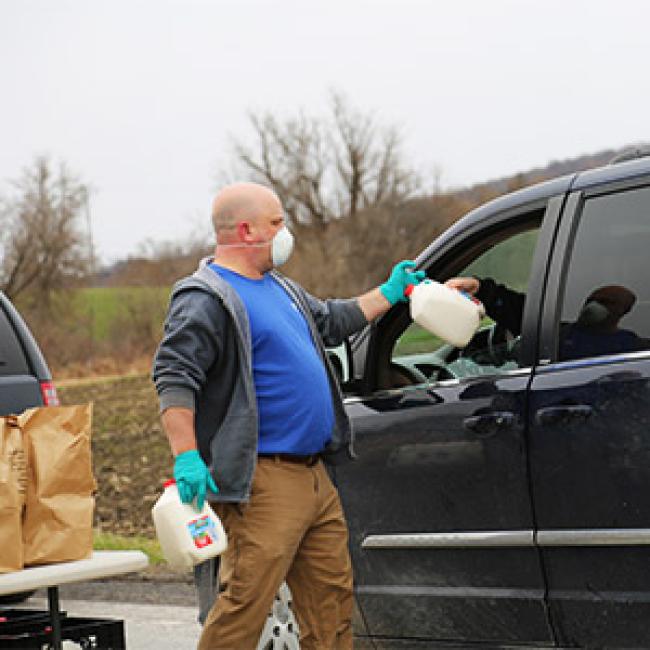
(244, 231)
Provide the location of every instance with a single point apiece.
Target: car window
(606, 305)
(420, 356)
(12, 358)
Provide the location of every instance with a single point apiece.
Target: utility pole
(91, 271)
(89, 235)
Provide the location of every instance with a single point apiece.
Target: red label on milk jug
(202, 531)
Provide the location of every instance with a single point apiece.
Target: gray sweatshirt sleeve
(191, 343)
(335, 318)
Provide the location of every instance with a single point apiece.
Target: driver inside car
(503, 305)
(595, 332)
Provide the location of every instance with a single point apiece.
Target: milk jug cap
(409, 289)
(169, 482)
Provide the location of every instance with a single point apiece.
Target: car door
(590, 420)
(438, 504)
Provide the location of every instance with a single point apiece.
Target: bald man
(251, 408)
(596, 330)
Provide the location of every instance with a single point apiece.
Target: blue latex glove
(400, 278)
(192, 477)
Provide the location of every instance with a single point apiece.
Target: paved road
(158, 614)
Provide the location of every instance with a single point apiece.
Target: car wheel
(281, 629)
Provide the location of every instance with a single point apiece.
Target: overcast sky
(139, 98)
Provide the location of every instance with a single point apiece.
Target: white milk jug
(186, 535)
(452, 315)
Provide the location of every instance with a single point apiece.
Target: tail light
(48, 391)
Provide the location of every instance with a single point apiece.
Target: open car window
(418, 356)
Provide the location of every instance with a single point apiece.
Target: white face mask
(593, 313)
(281, 246)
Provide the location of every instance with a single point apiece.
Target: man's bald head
(619, 300)
(242, 202)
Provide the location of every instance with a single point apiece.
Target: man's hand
(468, 285)
(192, 478)
(400, 278)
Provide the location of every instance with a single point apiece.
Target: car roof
(542, 191)
(622, 171)
(512, 201)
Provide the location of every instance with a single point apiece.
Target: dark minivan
(501, 492)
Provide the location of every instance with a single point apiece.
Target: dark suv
(501, 493)
(25, 379)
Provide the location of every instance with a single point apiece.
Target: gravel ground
(159, 613)
(145, 592)
(156, 585)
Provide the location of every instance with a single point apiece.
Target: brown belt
(309, 460)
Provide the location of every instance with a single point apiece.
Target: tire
(280, 631)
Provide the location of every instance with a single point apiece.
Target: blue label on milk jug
(202, 531)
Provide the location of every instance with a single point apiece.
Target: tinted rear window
(12, 359)
(607, 301)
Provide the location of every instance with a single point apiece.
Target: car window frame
(13, 359)
(553, 299)
(37, 366)
(447, 258)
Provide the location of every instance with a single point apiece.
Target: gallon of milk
(452, 315)
(186, 535)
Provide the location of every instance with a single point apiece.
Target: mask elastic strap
(259, 245)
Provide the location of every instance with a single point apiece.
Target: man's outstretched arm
(378, 301)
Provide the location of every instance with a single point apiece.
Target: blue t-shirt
(294, 400)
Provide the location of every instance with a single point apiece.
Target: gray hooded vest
(204, 363)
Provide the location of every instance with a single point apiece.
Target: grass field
(106, 306)
(112, 542)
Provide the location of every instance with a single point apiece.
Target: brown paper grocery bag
(59, 507)
(13, 481)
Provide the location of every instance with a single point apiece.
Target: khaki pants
(293, 528)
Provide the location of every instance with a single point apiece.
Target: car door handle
(489, 422)
(563, 414)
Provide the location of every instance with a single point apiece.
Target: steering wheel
(441, 372)
(499, 335)
(413, 375)
(410, 374)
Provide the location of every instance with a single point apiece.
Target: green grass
(112, 542)
(104, 305)
(416, 339)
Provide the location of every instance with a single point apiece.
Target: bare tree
(330, 168)
(42, 243)
(343, 182)
(292, 158)
(368, 161)
(160, 263)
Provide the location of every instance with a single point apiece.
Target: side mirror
(341, 359)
